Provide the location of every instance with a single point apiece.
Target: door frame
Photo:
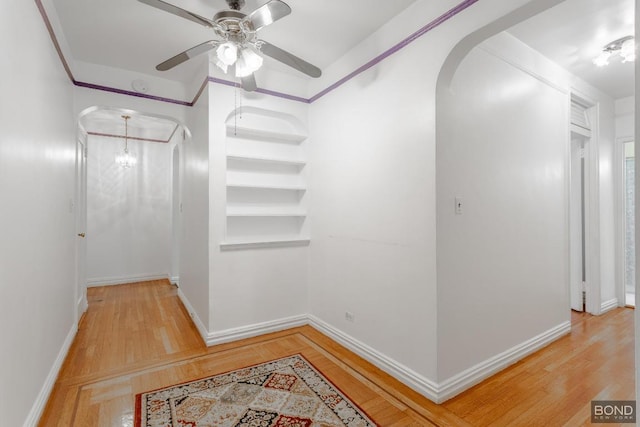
(591, 202)
(81, 303)
(620, 217)
(578, 218)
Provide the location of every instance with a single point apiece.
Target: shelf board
(263, 242)
(267, 186)
(263, 135)
(266, 159)
(265, 212)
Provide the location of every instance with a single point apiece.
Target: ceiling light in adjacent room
(602, 59)
(628, 51)
(625, 47)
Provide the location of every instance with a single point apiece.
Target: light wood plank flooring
(139, 337)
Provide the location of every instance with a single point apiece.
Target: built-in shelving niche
(266, 186)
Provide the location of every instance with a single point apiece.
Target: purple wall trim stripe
(204, 84)
(430, 26)
(131, 93)
(413, 37)
(54, 39)
(259, 90)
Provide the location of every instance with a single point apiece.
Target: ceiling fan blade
(187, 54)
(267, 14)
(167, 7)
(288, 59)
(249, 83)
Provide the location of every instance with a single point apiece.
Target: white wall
(625, 109)
(194, 234)
(373, 203)
(251, 288)
(373, 249)
(37, 158)
(128, 212)
(502, 147)
(606, 199)
(502, 263)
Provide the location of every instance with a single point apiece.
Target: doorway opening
(582, 276)
(578, 221)
(129, 221)
(628, 171)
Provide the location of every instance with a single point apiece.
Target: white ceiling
(130, 35)
(133, 36)
(574, 32)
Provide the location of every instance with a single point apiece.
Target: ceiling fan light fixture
(252, 59)
(248, 62)
(227, 53)
(224, 67)
(242, 69)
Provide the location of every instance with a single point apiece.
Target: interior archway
(454, 96)
(131, 223)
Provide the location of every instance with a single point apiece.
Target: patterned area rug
(288, 392)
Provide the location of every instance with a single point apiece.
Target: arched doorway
(506, 160)
(126, 211)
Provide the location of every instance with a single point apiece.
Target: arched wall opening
(127, 213)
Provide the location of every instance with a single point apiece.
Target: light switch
(458, 207)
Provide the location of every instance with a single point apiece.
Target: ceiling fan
(238, 48)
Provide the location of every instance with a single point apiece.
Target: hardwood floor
(138, 337)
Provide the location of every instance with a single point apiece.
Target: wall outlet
(349, 316)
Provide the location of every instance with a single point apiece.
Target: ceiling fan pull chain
(235, 106)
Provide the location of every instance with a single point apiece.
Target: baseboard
(255, 330)
(41, 401)
(81, 306)
(109, 281)
(472, 376)
(202, 329)
(609, 305)
(419, 383)
(175, 280)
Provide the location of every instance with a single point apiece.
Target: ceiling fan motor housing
(231, 27)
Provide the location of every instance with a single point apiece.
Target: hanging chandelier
(125, 159)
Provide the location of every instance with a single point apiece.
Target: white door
(81, 226)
